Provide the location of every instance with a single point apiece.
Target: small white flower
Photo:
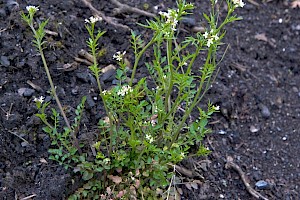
(209, 42)
(32, 9)
(238, 3)
(40, 99)
(93, 19)
(189, 5)
(217, 107)
(163, 13)
(104, 92)
(119, 56)
(205, 34)
(149, 138)
(124, 90)
(215, 37)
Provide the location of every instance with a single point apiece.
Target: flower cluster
(104, 92)
(216, 108)
(172, 18)
(238, 3)
(149, 138)
(93, 19)
(124, 90)
(40, 99)
(210, 37)
(32, 9)
(119, 56)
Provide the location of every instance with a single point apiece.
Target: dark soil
(257, 88)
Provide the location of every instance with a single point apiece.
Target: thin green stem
(193, 104)
(197, 51)
(138, 57)
(170, 86)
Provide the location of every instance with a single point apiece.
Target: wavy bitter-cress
(148, 128)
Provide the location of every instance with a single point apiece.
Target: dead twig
(15, 134)
(125, 8)
(108, 19)
(8, 113)
(231, 165)
(84, 61)
(53, 33)
(34, 86)
(86, 55)
(29, 197)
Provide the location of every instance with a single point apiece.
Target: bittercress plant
(148, 127)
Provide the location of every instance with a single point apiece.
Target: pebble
(108, 73)
(115, 82)
(295, 89)
(261, 185)
(254, 129)
(24, 144)
(188, 21)
(222, 132)
(12, 5)
(83, 76)
(26, 92)
(265, 111)
(4, 61)
(74, 91)
(296, 27)
(90, 102)
(284, 138)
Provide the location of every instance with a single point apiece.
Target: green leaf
(47, 129)
(87, 175)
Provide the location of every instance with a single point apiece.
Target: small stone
(222, 132)
(26, 92)
(83, 76)
(12, 5)
(24, 144)
(4, 61)
(188, 21)
(284, 138)
(115, 82)
(296, 28)
(253, 129)
(265, 111)
(74, 91)
(90, 102)
(261, 185)
(295, 89)
(108, 73)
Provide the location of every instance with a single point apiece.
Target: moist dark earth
(257, 88)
